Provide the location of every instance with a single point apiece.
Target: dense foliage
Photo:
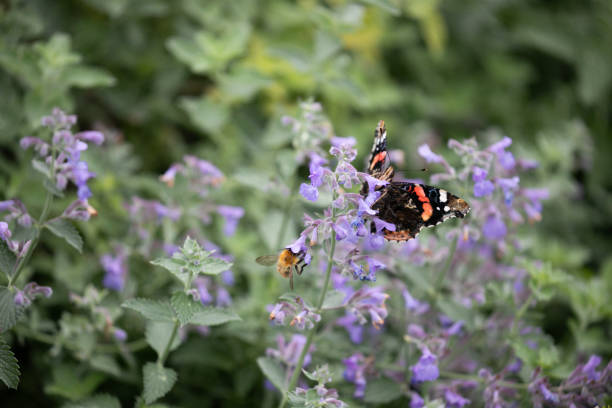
(151, 151)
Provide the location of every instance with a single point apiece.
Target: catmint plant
(57, 157)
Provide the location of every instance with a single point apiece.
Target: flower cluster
(302, 315)
(61, 159)
(288, 353)
(318, 396)
(31, 291)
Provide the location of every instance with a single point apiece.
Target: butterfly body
(409, 206)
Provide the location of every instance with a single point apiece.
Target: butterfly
(408, 206)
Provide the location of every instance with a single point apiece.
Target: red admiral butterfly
(408, 206)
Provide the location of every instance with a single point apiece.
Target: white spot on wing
(443, 196)
(446, 208)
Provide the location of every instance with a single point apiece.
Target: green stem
(458, 376)
(285, 220)
(311, 334)
(447, 266)
(133, 346)
(520, 314)
(162, 357)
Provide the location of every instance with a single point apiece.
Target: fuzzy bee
(285, 262)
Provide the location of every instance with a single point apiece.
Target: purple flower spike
(494, 228)
(116, 270)
(309, 192)
(430, 157)
(483, 188)
(232, 215)
(426, 369)
(455, 400)
(548, 395)
(355, 372)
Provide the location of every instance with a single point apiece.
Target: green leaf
(333, 299)
(213, 316)
(87, 77)
(71, 383)
(158, 334)
(41, 167)
(64, 229)
(106, 364)
(9, 367)
(7, 259)
(381, 391)
(175, 266)
(159, 311)
(273, 372)
(205, 114)
(8, 310)
(158, 381)
(96, 401)
(184, 307)
(214, 266)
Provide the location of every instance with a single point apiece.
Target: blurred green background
(213, 78)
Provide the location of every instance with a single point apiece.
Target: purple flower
(430, 157)
(426, 369)
(231, 215)
(455, 400)
(494, 228)
(355, 372)
(223, 297)
(414, 305)
(590, 366)
(369, 301)
(202, 290)
(309, 192)
(116, 270)
(92, 136)
(483, 188)
(30, 292)
(289, 353)
(5, 232)
(228, 278)
(548, 395)
(416, 401)
(21, 299)
(120, 334)
(506, 159)
(350, 322)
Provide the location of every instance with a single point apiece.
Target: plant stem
(447, 266)
(298, 368)
(162, 357)
(520, 314)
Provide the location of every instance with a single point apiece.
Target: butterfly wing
(379, 164)
(410, 207)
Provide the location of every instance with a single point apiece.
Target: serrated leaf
(214, 266)
(158, 334)
(96, 401)
(333, 299)
(273, 372)
(156, 310)
(184, 307)
(381, 391)
(213, 316)
(64, 229)
(7, 259)
(8, 310)
(175, 266)
(158, 381)
(9, 367)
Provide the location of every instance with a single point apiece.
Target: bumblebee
(285, 262)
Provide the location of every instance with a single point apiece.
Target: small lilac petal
(590, 366)
(426, 369)
(21, 299)
(455, 400)
(5, 205)
(494, 228)
(381, 224)
(231, 215)
(506, 159)
(92, 136)
(483, 188)
(309, 192)
(508, 184)
(299, 245)
(501, 145)
(478, 174)
(228, 278)
(430, 157)
(120, 334)
(416, 401)
(5, 232)
(548, 395)
(340, 142)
